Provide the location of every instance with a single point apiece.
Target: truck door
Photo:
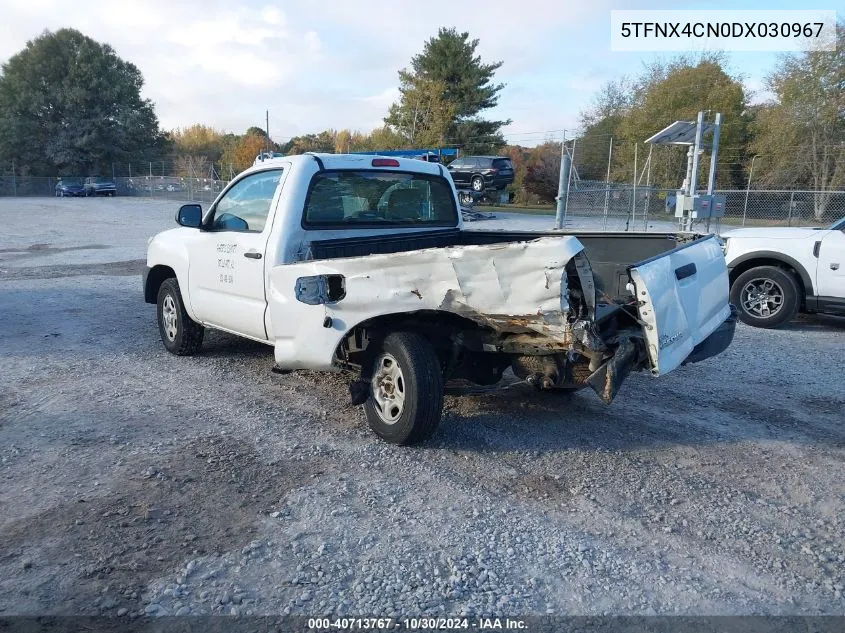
(830, 273)
(226, 263)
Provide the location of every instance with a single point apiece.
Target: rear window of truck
(350, 199)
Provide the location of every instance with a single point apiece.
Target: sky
(333, 64)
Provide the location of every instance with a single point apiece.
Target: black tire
(421, 382)
(477, 183)
(180, 334)
(766, 296)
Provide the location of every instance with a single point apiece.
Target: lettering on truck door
(226, 273)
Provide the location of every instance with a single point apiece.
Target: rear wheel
(180, 334)
(406, 382)
(766, 296)
(477, 183)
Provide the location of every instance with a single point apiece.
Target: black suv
(482, 172)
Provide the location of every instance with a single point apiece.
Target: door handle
(252, 255)
(688, 270)
(834, 266)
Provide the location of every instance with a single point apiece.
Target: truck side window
(246, 205)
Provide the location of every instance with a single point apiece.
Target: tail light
(385, 162)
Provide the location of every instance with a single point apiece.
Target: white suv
(777, 272)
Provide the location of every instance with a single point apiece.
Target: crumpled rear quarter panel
(512, 287)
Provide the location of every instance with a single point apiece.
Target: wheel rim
(388, 386)
(169, 317)
(477, 184)
(762, 298)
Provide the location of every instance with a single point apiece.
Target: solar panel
(679, 133)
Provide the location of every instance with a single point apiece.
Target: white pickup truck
(780, 271)
(361, 263)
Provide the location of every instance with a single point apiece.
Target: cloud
(333, 64)
(312, 41)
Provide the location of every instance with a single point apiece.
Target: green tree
(600, 123)
(325, 142)
(543, 171)
(632, 111)
(800, 136)
(424, 115)
(448, 82)
(241, 154)
(198, 140)
(678, 91)
(69, 104)
(343, 142)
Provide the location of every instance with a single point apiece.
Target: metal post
(687, 177)
(150, 184)
(791, 202)
(14, 180)
(748, 188)
(647, 189)
(699, 129)
(561, 184)
(714, 154)
(607, 183)
(569, 170)
(634, 191)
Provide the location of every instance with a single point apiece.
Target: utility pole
(748, 188)
(562, 186)
(607, 183)
(267, 129)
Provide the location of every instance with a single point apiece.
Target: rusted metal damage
(547, 324)
(607, 379)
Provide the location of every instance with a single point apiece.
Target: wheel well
(437, 326)
(156, 277)
(777, 263)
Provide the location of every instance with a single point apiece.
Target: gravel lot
(135, 482)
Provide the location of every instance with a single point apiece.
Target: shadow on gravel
(96, 555)
(815, 322)
(644, 416)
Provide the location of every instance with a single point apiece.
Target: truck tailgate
(683, 296)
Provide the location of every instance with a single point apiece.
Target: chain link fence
(164, 187)
(613, 207)
(625, 207)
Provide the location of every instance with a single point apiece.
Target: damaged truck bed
(362, 264)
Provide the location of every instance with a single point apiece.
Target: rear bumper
(717, 342)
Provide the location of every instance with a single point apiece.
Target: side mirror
(189, 215)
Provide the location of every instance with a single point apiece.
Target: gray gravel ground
(135, 482)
